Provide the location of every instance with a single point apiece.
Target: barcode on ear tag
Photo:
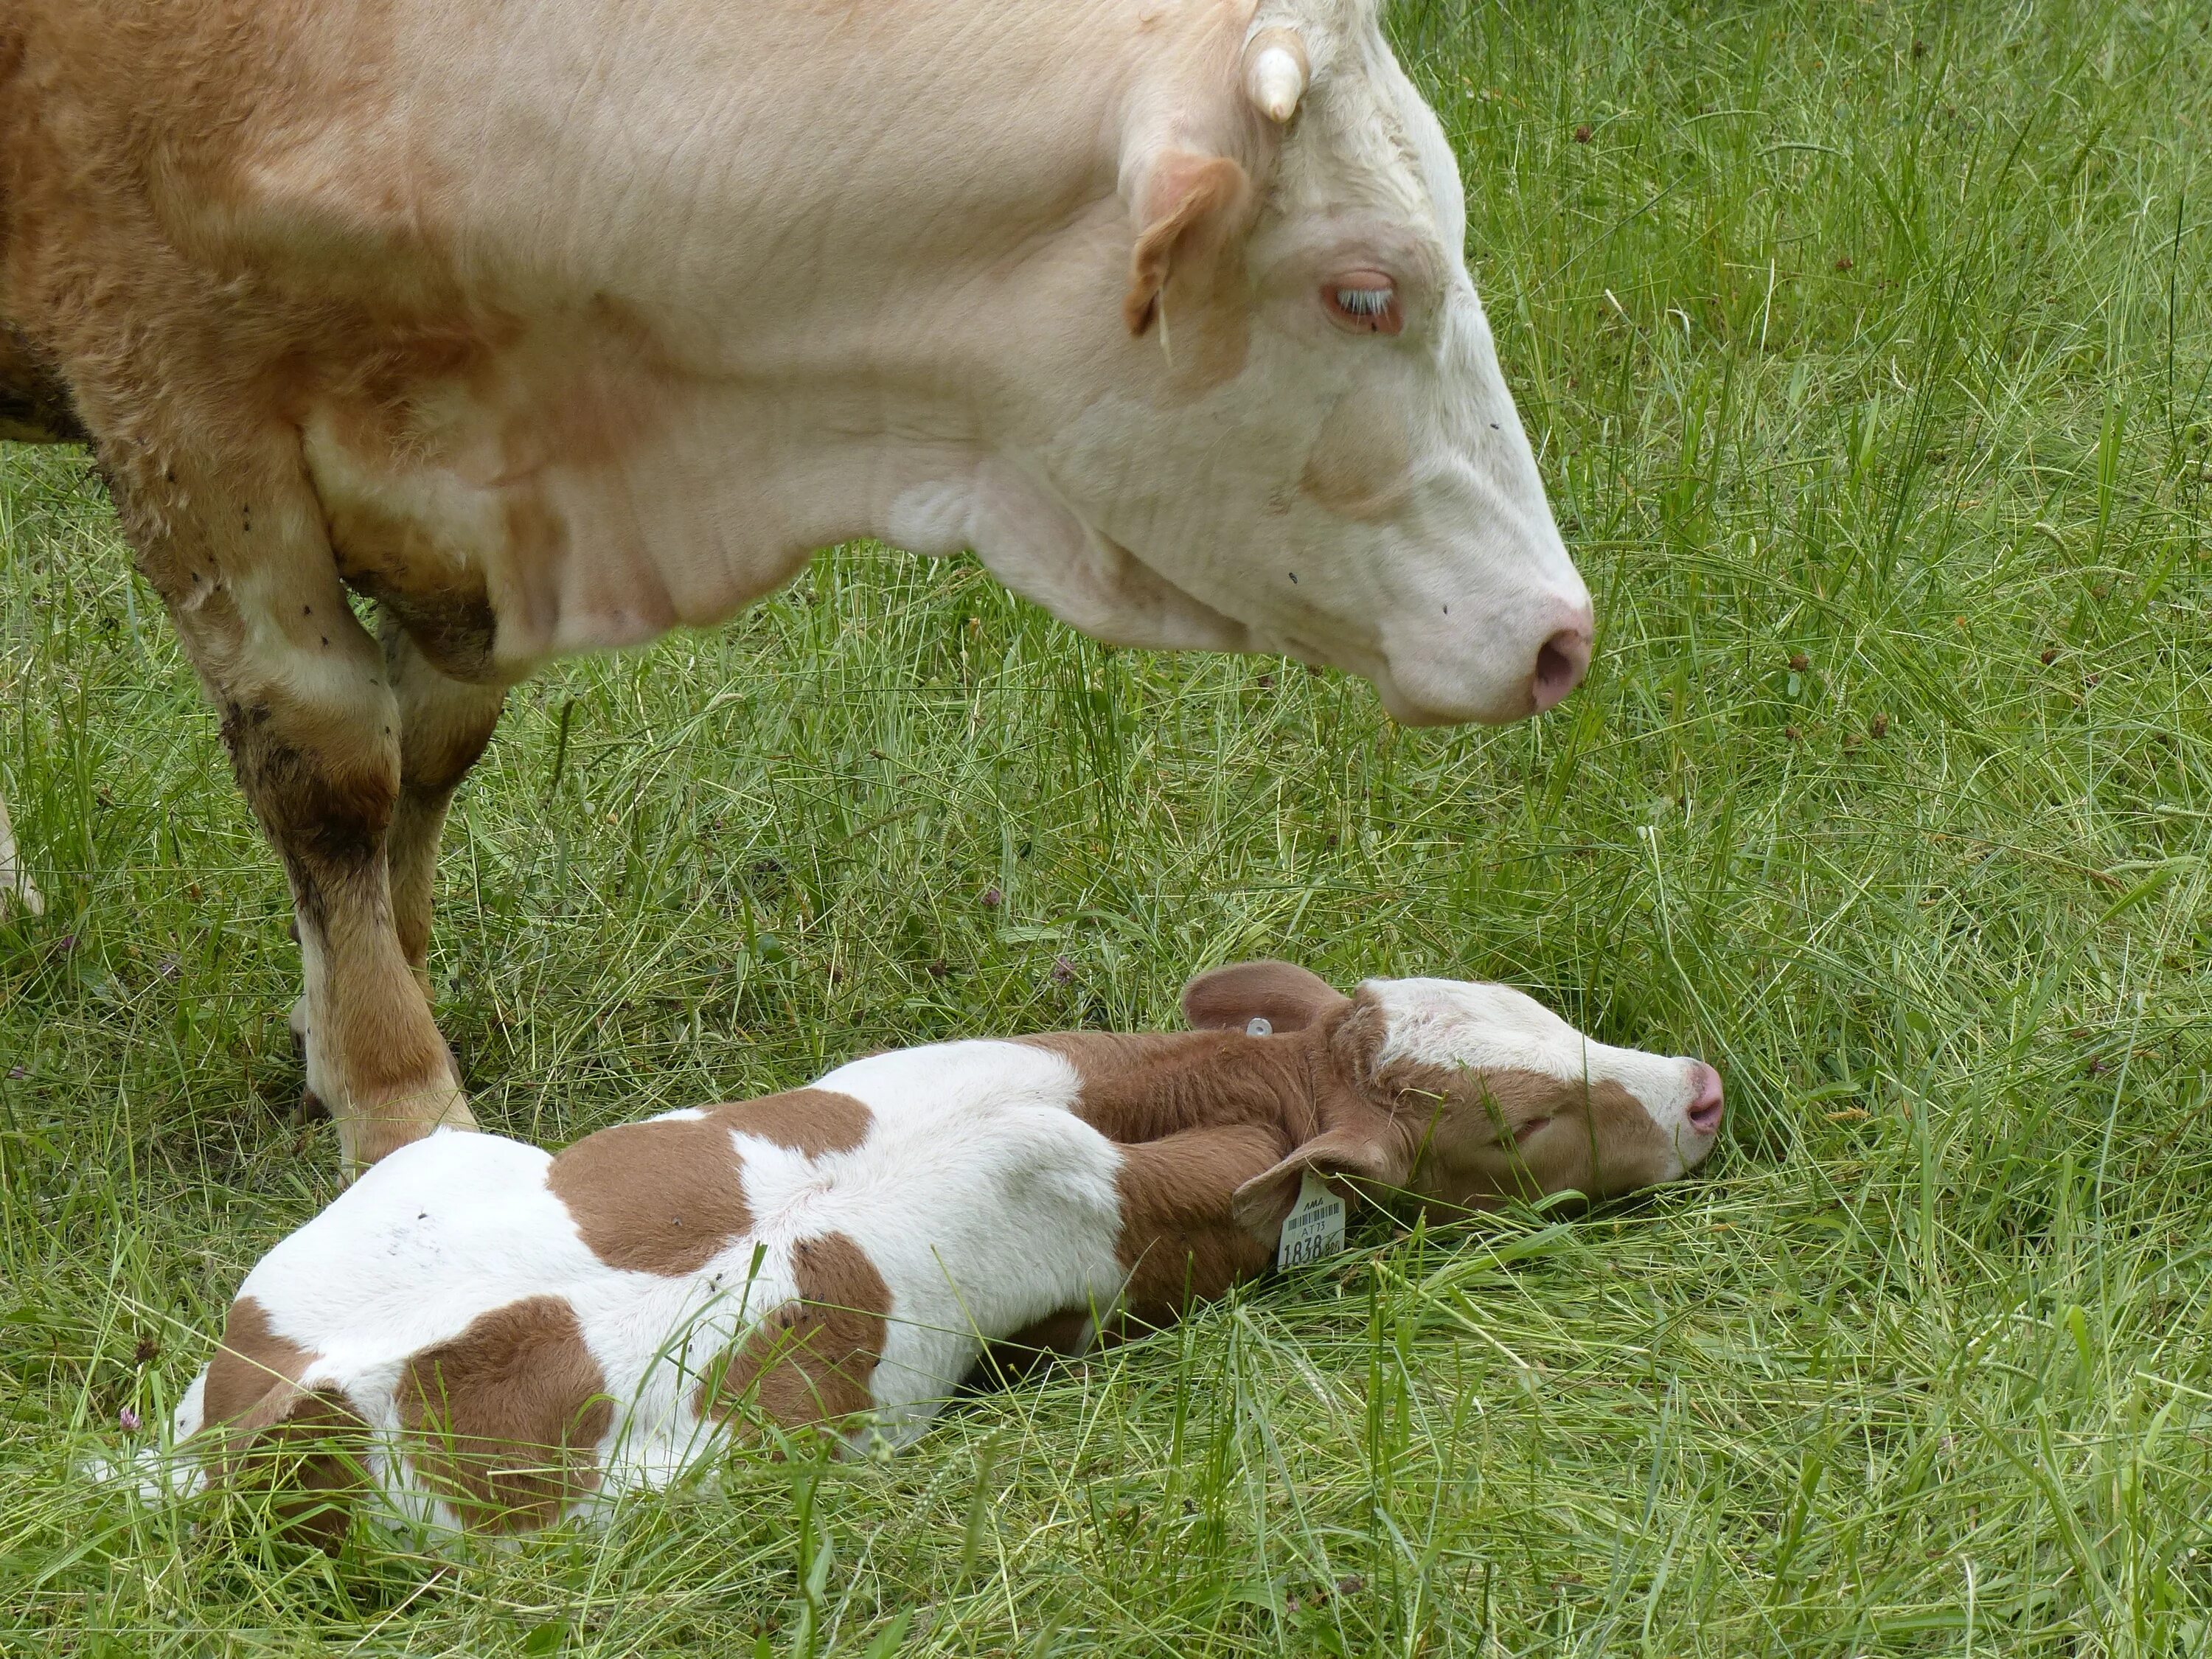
(1315, 1226)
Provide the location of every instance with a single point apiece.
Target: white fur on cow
(552, 327)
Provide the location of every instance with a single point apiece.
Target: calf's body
(491, 1337)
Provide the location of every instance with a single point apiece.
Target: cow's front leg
(313, 724)
(444, 725)
(316, 744)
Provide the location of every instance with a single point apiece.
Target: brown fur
(252, 1363)
(667, 1195)
(1470, 1144)
(809, 1361)
(1288, 996)
(444, 725)
(34, 406)
(301, 1445)
(1143, 1086)
(1181, 1238)
(814, 1121)
(658, 1197)
(504, 1421)
(139, 151)
(1196, 1117)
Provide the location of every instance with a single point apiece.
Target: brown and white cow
(553, 327)
(492, 1338)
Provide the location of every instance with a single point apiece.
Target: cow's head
(1286, 428)
(1462, 1093)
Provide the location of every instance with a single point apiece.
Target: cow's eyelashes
(1365, 302)
(1524, 1131)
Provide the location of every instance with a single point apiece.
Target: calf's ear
(1366, 1152)
(1282, 993)
(1190, 207)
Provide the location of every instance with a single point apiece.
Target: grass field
(1866, 351)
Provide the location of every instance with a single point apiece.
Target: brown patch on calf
(1288, 996)
(814, 1121)
(1361, 463)
(1197, 1117)
(268, 1433)
(504, 1419)
(252, 1361)
(660, 1197)
(667, 1196)
(1143, 1086)
(809, 1361)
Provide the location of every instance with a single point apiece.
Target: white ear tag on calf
(1315, 1226)
(1259, 1025)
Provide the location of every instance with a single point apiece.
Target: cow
(550, 328)
(491, 1337)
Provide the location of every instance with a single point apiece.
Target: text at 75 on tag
(1315, 1226)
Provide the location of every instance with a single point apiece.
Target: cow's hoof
(312, 1109)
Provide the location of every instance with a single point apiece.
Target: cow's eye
(1530, 1129)
(1364, 302)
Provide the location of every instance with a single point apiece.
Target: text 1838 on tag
(1315, 1226)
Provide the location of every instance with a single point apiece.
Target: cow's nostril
(1706, 1105)
(1560, 663)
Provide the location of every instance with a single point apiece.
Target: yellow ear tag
(1315, 1226)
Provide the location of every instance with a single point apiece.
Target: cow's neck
(788, 275)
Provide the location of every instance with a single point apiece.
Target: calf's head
(1461, 1094)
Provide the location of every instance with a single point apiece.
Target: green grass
(1866, 348)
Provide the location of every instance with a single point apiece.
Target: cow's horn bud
(1275, 74)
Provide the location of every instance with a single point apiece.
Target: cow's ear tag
(1315, 1226)
(1258, 1026)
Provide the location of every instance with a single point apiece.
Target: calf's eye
(1529, 1129)
(1364, 302)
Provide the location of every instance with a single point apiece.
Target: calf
(492, 1338)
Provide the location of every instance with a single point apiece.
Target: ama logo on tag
(1315, 1226)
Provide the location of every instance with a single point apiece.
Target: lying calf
(492, 1338)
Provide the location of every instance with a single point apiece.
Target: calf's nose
(1706, 1106)
(1561, 662)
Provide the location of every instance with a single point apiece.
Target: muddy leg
(312, 726)
(444, 725)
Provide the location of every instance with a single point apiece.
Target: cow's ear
(1284, 995)
(1192, 206)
